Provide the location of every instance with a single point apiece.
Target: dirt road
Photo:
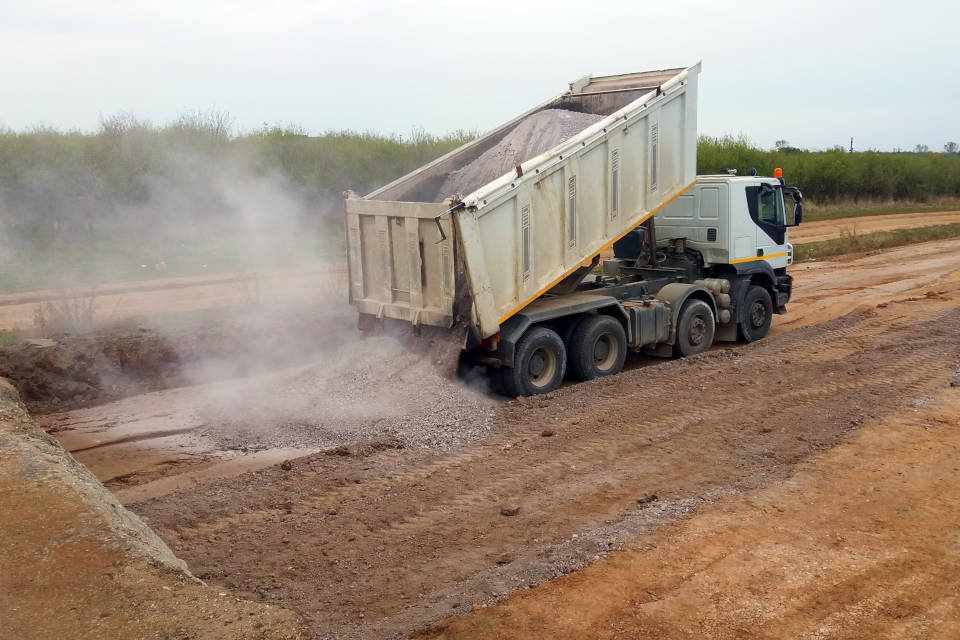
(151, 299)
(819, 230)
(120, 302)
(390, 531)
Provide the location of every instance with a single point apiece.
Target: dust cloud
(282, 363)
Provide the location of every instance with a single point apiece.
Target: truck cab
(731, 220)
(738, 227)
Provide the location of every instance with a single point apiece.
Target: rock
(286, 465)
(546, 433)
(505, 558)
(647, 499)
(509, 510)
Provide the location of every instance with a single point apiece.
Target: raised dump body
(490, 227)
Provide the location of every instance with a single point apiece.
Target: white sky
(814, 73)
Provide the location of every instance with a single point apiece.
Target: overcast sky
(813, 73)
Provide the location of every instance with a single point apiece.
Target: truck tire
(567, 328)
(756, 313)
(540, 362)
(598, 348)
(695, 328)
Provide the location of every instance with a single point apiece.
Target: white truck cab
(733, 220)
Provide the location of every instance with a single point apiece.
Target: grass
(853, 209)
(10, 337)
(854, 243)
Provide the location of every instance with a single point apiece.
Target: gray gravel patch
(539, 133)
(375, 388)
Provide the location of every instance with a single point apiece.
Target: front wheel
(540, 360)
(695, 328)
(756, 313)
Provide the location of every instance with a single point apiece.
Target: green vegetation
(853, 243)
(135, 200)
(10, 337)
(837, 175)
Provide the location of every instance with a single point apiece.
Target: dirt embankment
(76, 564)
(77, 371)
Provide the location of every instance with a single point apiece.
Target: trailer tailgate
(400, 267)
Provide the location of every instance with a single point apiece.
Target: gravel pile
(374, 388)
(538, 133)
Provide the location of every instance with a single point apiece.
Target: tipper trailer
(517, 258)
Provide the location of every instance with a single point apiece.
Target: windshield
(770, 207)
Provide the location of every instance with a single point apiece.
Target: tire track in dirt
(377, 545)
(833, 551)
(824, 342)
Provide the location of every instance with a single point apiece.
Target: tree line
(132, 194)
(836, 174)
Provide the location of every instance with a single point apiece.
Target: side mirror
(797, 213)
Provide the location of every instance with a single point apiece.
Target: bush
(832, 175)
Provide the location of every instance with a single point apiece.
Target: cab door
(765, 204)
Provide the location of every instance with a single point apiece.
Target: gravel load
(540, 132)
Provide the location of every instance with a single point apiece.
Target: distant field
(852, 209)
(857, 243)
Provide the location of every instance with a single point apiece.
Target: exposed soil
(158, 301)
(820, 230)
(77, 371)
(155, 299)
(860, 542)
(76, 564)
(374, 519)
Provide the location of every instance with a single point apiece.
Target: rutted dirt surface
(390, 529)
(377, 391)
(860, 542)
(857, 284)
(820, 230)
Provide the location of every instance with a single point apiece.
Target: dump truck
(504, 236)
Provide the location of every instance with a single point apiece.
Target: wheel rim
(698, 331)
(758, 314)
(542, 367)
(605, 352)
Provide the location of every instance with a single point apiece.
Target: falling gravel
(534, 135)
(377, 388)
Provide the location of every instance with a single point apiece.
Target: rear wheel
(598, 348)
(540, 361)
(568, 328)
(694, 329)
(756, 313)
